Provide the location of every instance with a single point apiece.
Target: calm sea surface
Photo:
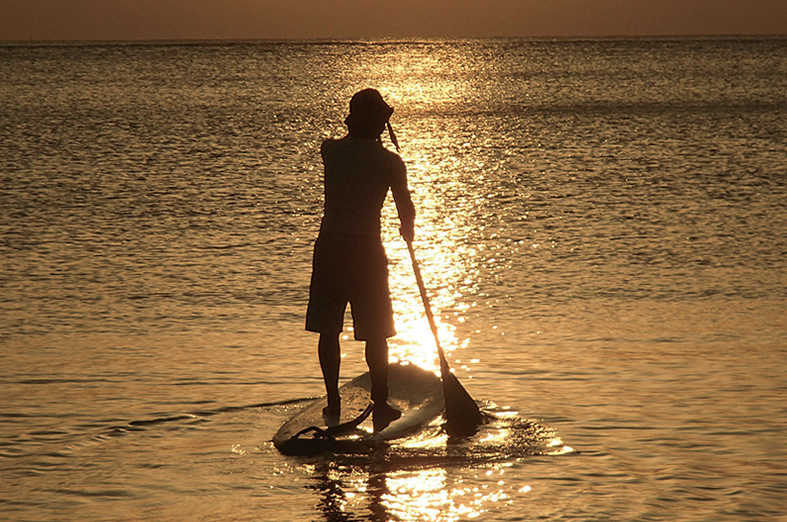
(601, 226)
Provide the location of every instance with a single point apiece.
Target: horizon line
(389, 39)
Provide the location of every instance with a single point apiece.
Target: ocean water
(601, 226)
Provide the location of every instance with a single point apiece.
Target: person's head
(368, 114)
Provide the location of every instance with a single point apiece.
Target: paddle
(462, 416)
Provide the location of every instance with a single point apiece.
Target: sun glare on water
(428, 494)
(443, 271)
(408, 83)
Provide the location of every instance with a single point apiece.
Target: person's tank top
(357, 178)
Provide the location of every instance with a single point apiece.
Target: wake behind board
(417, 393)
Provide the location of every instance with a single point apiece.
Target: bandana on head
(368, 111)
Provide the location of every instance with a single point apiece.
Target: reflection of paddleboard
(416, 392)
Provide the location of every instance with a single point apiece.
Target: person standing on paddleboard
(349, 264)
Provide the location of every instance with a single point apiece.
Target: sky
(284, 19)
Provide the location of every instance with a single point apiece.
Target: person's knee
(375, 344)
(376, 352)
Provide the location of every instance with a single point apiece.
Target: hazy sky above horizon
(252, 19)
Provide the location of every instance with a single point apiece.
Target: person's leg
(377, 360)
(330, 360)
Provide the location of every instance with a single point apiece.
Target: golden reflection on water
(432, 494)
(422, 494)
(445, 264)
(414, 341)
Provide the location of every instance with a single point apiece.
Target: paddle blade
(462, 416)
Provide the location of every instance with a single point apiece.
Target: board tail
(323, 438)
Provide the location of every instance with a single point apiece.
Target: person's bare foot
(384, 414)
(331, 415)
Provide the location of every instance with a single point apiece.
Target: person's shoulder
(394, 158)
(328, 144)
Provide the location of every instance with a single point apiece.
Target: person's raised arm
(404, 203)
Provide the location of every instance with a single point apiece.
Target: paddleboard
(417, 393)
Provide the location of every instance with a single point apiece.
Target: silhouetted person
(350, 265)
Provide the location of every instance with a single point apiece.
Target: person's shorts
(350, 269)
